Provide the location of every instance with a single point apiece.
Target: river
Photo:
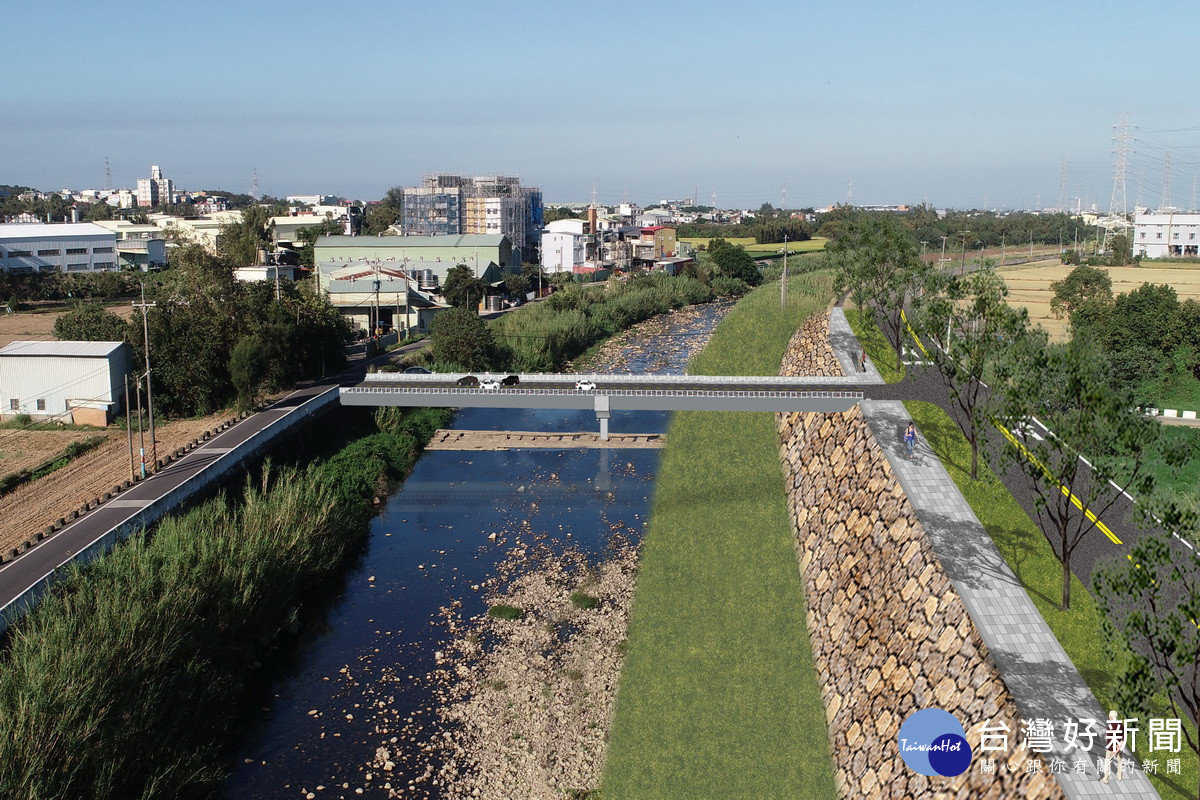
(357, 676)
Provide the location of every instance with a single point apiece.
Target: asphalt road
(38, 562)
(1095, 548)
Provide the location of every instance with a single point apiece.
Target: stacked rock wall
(809, 353)
(890, 635)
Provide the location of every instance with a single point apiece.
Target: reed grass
(127, 679)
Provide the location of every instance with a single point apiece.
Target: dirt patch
(35, 505)
(23, 449)
(1029, 287)
(38, 326)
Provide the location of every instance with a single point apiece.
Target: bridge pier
(602, 414)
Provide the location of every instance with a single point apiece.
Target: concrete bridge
(612, 393)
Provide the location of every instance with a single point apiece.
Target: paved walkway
(1037, 671)
(847, 349)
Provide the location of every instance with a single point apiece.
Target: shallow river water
(323, 705)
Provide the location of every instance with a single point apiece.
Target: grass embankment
(719, 696)
(127, 679)
(881, 353)
(1030, 557)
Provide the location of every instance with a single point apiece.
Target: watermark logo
(933, 742)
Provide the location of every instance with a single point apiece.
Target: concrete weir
(530, 440)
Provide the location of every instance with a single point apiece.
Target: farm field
(39, 325)
(1029, 286)
(27, 449)
(35, 505)
(815, 243)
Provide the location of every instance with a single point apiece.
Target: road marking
(1075, 501)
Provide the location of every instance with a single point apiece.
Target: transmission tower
(254, 185)
(1165, 200)
(1061, 206)
(1118, 206)
(850, 192)
(714, 200)
(107, 174)
(783, 198)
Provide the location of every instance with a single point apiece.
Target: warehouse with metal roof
(69, 382)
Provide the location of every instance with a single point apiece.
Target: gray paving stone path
(1038, 672)
(847, 349)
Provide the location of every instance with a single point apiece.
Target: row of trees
(1001, 373)
(967, 229)
(214, 339)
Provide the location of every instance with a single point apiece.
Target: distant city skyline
(963, 105)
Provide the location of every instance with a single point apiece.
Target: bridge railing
(571, 378)
(471, 391)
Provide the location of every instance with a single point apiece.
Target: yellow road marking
(1025, 452)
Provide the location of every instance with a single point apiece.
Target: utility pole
(141, 434)
(962, 267)
(129, 428)
(1031, 245)
(784, 281)
(943, 261)
(145, 307)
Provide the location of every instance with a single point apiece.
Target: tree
(1083, 286)
(1146, 316)
(516, 284)
(98, 211)
(1119, 251)
(239, 242)
(248, 365)
(1066, 387)
(461, 287)
(978, 326)
(89, 322)
(879, 262)
(460, 336)
(733, 261)
(308, 235)
(1151, 602)
(555, 214)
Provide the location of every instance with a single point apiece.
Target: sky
(959, 104)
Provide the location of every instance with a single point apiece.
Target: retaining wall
(889, 634)
(142, 518)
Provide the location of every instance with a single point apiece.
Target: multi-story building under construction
(490, 204)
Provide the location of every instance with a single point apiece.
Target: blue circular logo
(932, 742)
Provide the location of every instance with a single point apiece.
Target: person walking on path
(862, 360)
(910, 437)
(1114, 740)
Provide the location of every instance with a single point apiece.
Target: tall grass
(126, 680)
(544, 336)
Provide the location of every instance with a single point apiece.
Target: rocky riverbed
(526, 690)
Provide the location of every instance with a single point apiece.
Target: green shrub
(502, 611)
(584, 601)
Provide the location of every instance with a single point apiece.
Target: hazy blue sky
(958, 102)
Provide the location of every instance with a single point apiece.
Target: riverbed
(371, 672)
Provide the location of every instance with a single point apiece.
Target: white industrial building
(61, 247)
(70, 382)
(1166, 235)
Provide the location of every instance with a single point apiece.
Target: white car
(585, 386)
(489, 384)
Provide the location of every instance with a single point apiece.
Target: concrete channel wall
(890, 635)
(146, 516)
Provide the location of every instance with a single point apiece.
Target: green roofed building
(393, 281)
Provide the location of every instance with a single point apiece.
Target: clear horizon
(957, 105)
